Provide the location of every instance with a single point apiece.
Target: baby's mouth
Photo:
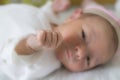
(70, 56)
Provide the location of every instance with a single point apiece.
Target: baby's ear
(75, 15)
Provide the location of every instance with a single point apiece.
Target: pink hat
(108, 15)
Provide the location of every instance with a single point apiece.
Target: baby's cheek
(70, 39)
(94, 64)
(66, 40)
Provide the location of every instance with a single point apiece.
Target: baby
(87, 39)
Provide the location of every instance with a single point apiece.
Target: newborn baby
(87, 39)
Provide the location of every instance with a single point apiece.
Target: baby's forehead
(96, 21)
(99, 25)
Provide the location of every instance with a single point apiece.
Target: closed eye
(83, 34)
(88, 60)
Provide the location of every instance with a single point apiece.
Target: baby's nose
(79, 53)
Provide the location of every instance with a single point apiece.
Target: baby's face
(86, 44)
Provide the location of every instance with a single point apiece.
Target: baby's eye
(83, 34)
(88, 60)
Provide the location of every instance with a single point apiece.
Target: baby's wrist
(33, 43)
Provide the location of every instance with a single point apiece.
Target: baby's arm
(22, 47)
(36, 42)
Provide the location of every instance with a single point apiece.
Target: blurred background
(42, 2)
(74, 5)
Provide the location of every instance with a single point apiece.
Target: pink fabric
(108, 12)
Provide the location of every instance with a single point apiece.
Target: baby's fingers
(45, 38)
(56, 39)
(49, 39)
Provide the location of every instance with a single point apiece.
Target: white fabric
(16, 22)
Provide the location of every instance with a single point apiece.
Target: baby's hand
(49, 39)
